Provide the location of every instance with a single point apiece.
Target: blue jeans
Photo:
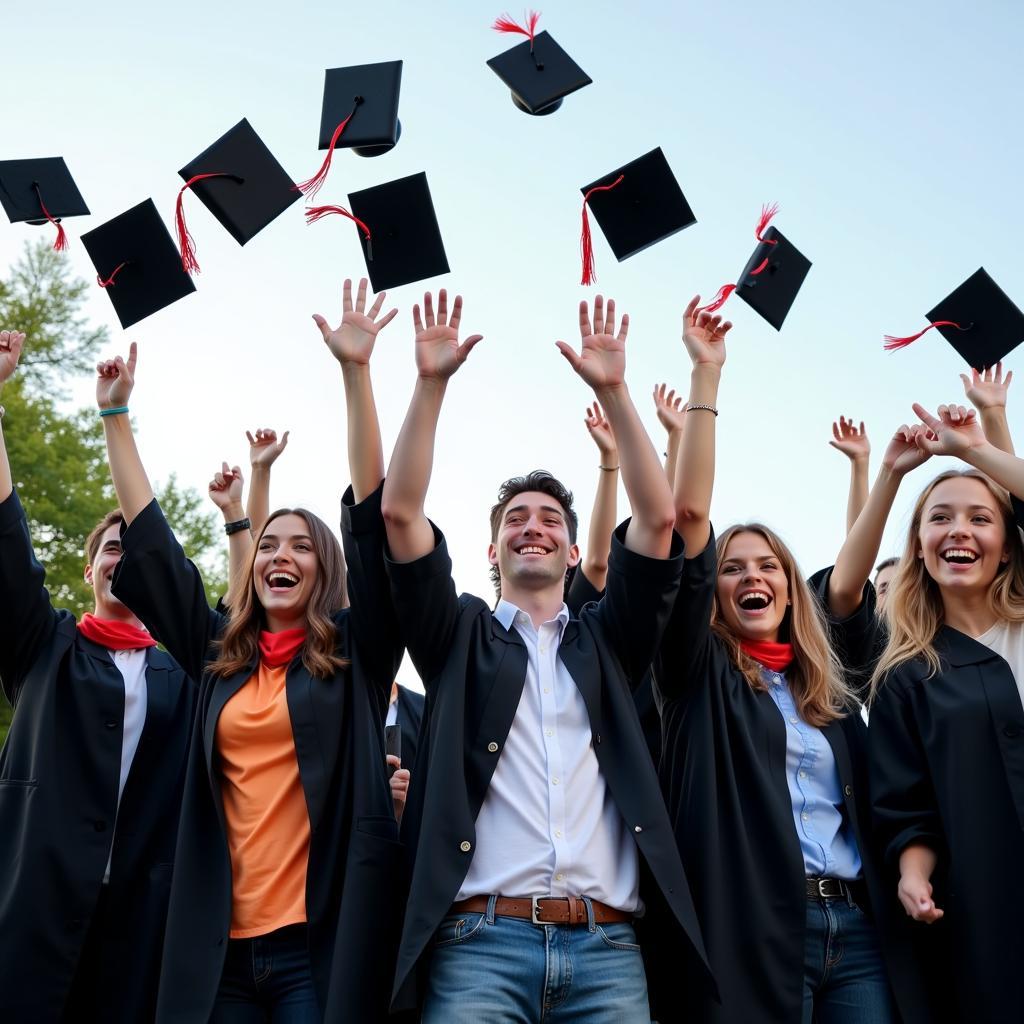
(844, 974)
(506, 971)
(267, 980)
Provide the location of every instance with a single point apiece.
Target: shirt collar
(506, 613)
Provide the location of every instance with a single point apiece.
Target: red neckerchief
(113, 634)
(777, 657)
(277, 649)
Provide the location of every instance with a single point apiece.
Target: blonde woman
(947, 722)
(763, 768)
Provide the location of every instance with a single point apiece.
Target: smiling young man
(535, 803)
(90, 783)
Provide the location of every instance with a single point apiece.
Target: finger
(417, 321)
(1006, 382)
(688, 312)
(609, 318)
(375, 308)
(967, 383)
(724, 329)
(252, 440)
(925, 416)
(322, 324)
(570, 354)
(387, 318)
(393, 759)
(836, 432)
(599, 314)
(428, 310)
(624, 328)
(284, 441)
(361, 296)
(16, 340)
(678, 403)
(670, 397)
(598, 411)
(442, 307)
(133, 358)
(236, 472)
(862, 430)
(456, 313)
(585, 329)
(468, 345)
(346, 296)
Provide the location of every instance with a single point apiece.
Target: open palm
(704, 335)
(10, 353)
(438, 352)
(601, 361)
(353, 339)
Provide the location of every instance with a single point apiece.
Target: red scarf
(277, 649)
(113, 634)
(777, 657)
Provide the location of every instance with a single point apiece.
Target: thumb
(322, 324)
(468, 345)
(570, 354)
(283, 443)
(133, 357)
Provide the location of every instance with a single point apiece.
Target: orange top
(264, 805)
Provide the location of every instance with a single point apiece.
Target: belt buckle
(824, 887)
(535, 909)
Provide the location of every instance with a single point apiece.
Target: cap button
(465, 846)
(492, 747)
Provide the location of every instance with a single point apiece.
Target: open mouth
(754, 600)
(959, 556)
(280, 581)
(531, 549)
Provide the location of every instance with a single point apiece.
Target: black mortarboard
(404, 243)
(978, 319)
(252, 189)
(773, 276)
(39, 192)
(636, 206)
(538, 71)
(138, 263)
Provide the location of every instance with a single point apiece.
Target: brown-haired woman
(947, 722)
(283, 901)
(763, 767)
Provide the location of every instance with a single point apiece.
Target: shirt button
(546, 690)
(554, 782)
(559, 877)
(803, 775)
(558, 833)
(492, 747)
(465, 846)
(794, 720)
(805, 816)
(637, 828)
(549, 732)
(544, 650)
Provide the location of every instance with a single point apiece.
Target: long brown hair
(816, 677)
(914, 610)
(238, 645)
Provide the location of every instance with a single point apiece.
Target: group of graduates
(668, 779)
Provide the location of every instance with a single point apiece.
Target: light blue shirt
(826, 839)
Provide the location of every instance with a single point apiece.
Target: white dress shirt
(548, 825)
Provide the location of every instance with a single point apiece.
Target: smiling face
(962, 538)
(100, 573)
(532, 549)
(284, 571)
(752, 589)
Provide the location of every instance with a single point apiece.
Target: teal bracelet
(114, 412)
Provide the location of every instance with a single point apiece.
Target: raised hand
(353, 339)
(226, 486)
(264, 447)
(955, 431)
(601, 361)
(704, 335)
(115, 379)
(670, 408)
(850, 440)
(438, 352)
(600, 430)
(903, 453)
(987, 390)
(10, 353)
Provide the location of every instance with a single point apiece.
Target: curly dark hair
(537, 480)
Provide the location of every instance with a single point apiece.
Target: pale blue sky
(889, 133)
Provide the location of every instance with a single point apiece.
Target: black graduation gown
(59, 774)
(947, 770)
(474, 671)
(723, 774)
(354, 883)
(409, 718)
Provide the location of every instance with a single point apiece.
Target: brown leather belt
(571, 910)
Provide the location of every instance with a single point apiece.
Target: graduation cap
(398, 231)
(360, 112)
(240, 182)
(539, 72)
(978, 319)
(772, 277)
(636, 206)
(137, 263)
(40, 191)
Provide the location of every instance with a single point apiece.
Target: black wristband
(238, 524)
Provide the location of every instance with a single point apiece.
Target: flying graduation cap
(40, 191)
(539, 72)
(360, 112)
(137, 263)
(636, 206)
(772, 277)
(240, 182)
(978, 319)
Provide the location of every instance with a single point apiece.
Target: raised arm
(10, 352)
(672, 416)
(438, 356)
(854, 444)
(987, 393)
(859, 552)
(226, 493)
(602, 519)
(114, 382)
(704, 338)
(351, 343)
(601, 362)
(264, 449)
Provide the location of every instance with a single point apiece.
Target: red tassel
(315, 213)
(767, 212)
(110, 280)
(185, 241)
(761, 266)
(892, 344)
(586, 239)
(61, 242)
(718, 301)
(311, 186)
(506, 24)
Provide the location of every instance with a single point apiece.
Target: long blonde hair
(815, 678)
(238, 645)
(914, 611)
